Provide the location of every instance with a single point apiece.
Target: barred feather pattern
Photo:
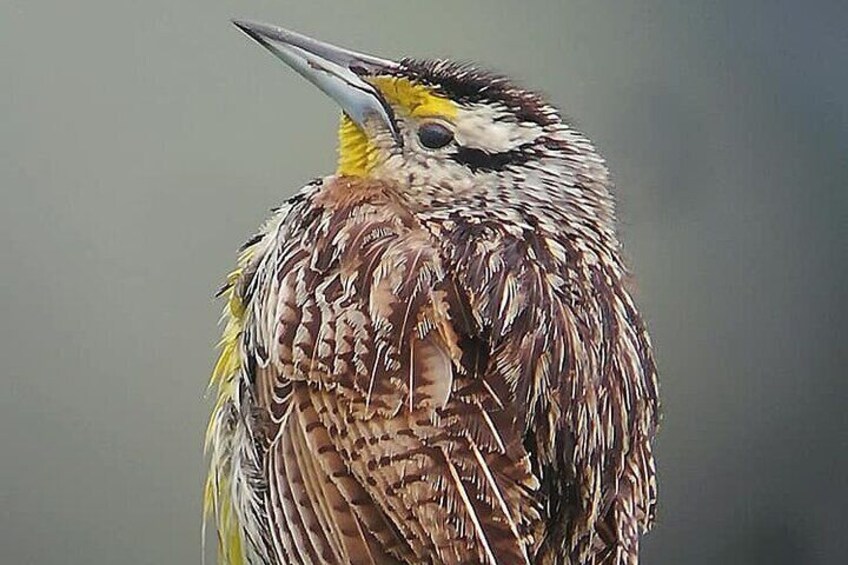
(434, 384)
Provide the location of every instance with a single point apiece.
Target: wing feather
(397, 447)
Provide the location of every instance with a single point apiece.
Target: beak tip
(242, 25)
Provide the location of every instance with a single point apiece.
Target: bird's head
(447, 132)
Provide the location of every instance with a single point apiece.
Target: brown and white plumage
(432, 357)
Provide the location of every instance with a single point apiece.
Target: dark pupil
(434, 135)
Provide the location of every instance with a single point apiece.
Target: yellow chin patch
(357, 155)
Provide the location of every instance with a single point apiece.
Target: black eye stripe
(434, 135)
(479, 160)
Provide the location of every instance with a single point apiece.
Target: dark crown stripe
(467, 84)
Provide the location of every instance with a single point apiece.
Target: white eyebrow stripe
(477, 126)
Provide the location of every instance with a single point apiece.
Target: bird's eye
(434, 135)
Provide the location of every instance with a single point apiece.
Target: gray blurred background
(142, 142)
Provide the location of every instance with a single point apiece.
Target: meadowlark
(432, 356)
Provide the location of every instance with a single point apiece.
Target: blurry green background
(142, 142)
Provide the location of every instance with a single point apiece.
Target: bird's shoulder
(347, 290)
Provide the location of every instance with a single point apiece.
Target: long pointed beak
(336, 71)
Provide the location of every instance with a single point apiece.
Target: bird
(433, 355)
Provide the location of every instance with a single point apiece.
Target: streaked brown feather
(432, 392)
(387, 430)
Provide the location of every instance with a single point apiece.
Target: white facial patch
(479, 126)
